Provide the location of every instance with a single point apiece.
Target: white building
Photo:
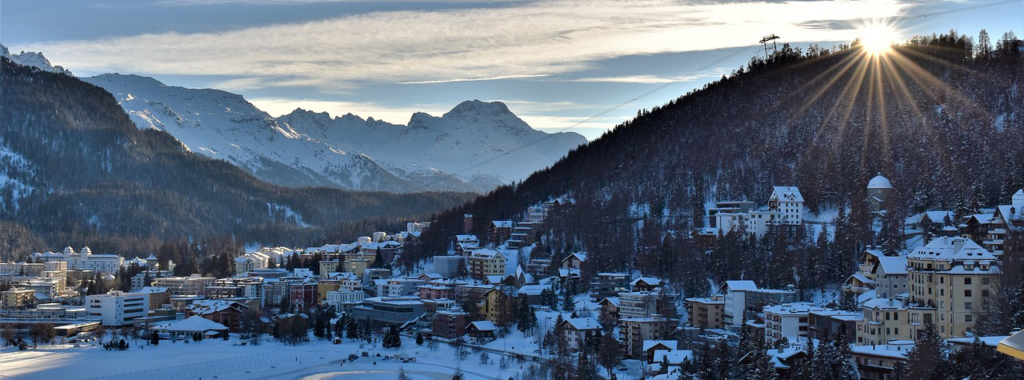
(106, 264)
(185, 286)
(783, 213)
(250, 261)
(787, 321)
(118, 308)
(735, 297)
(343, 300)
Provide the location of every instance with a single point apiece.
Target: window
(967, 292)
(967, 306)
(984, 280)
(896, 330)
(968, 318)
(967, 280)
(942, 292)
(896, 317)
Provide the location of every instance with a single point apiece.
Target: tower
(879, 193)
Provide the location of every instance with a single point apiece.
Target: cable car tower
(764, 41)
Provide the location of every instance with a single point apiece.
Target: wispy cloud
(502, 77)
(523, 40)
(655, 79)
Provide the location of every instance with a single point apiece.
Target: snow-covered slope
(36, 60)
(474, 147)
(225, 126)
(481, 143)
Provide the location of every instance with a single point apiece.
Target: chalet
(609, 310)
(877, 361)
(578, 330)
(574, 261)
(645, 284)
(481, 330)
(650, 346)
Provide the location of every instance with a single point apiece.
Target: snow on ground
(214, 358)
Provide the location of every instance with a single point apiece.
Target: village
(342, 306)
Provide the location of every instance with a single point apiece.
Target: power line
(683, 78)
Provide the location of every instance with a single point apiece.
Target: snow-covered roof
(502, 223)
(533, 290)
(671, 344)
(884, 350)
(611, 300)
(154, 289)
(951, 248)
(884, 303)
(673, 357)
(740, 285)
(485, 253)
(466, 238)
(791, 308)
(578, 256)
(788, 193)
(484, 326)
(990, 341)
(583, 323)
(893, 265)
(203, 307)
(879, 182)
(860, 277)
(194, 323)
(647, 280)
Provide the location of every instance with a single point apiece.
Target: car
(73, 341)
(621, 368)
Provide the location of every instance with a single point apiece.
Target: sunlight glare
(876, 39)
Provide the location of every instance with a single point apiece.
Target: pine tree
(926, 360)
(419, 339)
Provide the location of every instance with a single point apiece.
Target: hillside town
(633, 326)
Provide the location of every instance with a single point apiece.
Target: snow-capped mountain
(474, 147)
(32, 59)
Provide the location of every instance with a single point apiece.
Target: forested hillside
(939, 117)
(75, 170)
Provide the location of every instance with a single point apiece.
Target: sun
(876, 39)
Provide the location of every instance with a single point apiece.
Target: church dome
(879, 182)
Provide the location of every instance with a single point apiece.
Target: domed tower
(86, 252)
(68, 251)
(879, 193)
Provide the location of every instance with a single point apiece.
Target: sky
(581, 66)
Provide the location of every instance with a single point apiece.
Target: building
(17, 298)
(888, 319)
(118, 308)
(956, 278)
(486, 262)
(578, 330)
(399, 287)
(644, 304)
(743, 300)
(499, 231)
(185, 286)
(450, 323)
(706, 313)
(990, 230)
(187, 328)
(634, 331)
(250, 262)
(449, 266)
(789, 321)
(23, 269)
(481, 330)
(344, 300)
(389, 311)
(498, 306)
(227, 313)
(782, 214)
(1013, 345)
(304, 294)
(608, 284)
(158, 296)
(825, 324)
(105, 264)
(876, 362)
(879, 193)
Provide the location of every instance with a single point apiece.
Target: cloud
(655, 79)
(522, 40)
(503, 77)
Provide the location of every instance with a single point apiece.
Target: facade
(782, 214)
(344, 300)
(789, 321)
(877, 362)
(578, 330)
(105, 264)
(644, 304)
(227, 313)
(608, 284)
(185, 286)
(450, 323)
(486, 262)
(304, 294)
(17, 298)
(956, 278)
(499, 231)
(23, 269)
(389, 311)
(827, 323)
(118, 308)
(250, 262)
(706, 313)
(634, 331)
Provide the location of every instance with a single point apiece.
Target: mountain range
(75, 169)
(474, 147)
